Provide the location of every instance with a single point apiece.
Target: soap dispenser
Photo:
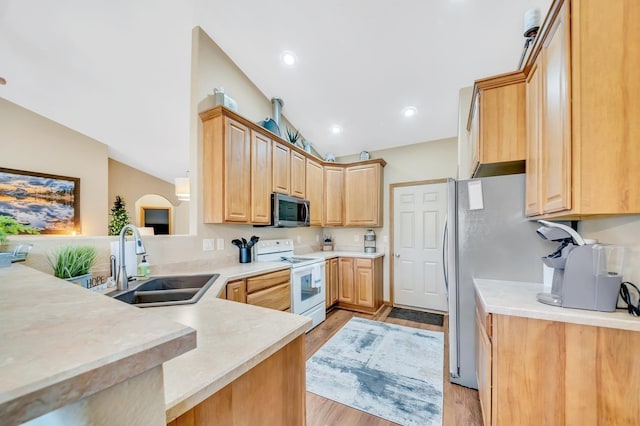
(144, 269)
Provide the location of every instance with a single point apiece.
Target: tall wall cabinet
(582, 112)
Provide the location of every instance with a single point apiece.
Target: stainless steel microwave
(288, 212)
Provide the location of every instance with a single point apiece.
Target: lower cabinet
(331, 282)
(360, 284)
(271, 393)
(272, 290)
(533, 371)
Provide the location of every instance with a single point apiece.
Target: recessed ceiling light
(336, 130)
(409, 111)
(288, 58)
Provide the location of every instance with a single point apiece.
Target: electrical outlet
(220, 243)
(299, 239)
(356, 238)
(385, 239)
(207, 244)
(317, 238)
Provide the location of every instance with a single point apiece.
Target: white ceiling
(119, 71)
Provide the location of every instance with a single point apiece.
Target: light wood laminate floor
(461, 405)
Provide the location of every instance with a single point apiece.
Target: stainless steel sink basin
(165, 291)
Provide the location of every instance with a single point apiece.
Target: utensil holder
(245, 254)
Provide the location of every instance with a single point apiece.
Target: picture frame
(46, 202)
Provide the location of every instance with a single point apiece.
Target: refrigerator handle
(445, 249)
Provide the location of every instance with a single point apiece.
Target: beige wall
(34, 143)
(422, 161)
(132, 184)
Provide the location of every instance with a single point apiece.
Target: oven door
(307, 287)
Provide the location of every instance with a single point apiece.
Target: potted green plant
(293, 136)
(74, 263)
(10, 226)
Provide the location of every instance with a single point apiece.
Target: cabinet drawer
(278, 297)
(364, 263)
(268, 280)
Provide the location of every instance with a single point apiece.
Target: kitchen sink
(166, 291)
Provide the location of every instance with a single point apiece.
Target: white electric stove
(307, 277)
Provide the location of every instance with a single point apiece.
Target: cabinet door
(333, 275)
(327, 284)
(277, 297)
(260, 178)
(315, 191)
(333, 195)
(346, 285)
(236, 291)
(483, 369)
(362, 185)
(532, 198)
(298, 174)
(237, 174)
(364, 282)
(556, 115)
(474, 134)
(281, 168)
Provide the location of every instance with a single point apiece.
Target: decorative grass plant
(10, 226)
(72, 261)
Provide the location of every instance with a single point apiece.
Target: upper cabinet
(333, 196)
(226, 171)
(244, 163)
(281, 168)
(363, 195)
(315, 191)
(582, 110)
(496, 125)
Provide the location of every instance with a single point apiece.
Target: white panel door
(418, 221)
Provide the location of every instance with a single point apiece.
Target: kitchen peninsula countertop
(232, 339)
(62, 343)
(55, 335)
(519, 299)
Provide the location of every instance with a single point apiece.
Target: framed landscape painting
(49, 203)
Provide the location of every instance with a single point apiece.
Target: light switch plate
(207, 244)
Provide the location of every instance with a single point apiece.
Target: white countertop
(517, 298)
(232, 338)
(61, 343)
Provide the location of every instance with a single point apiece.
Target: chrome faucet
(122, 282)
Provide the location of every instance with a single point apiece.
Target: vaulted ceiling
(119, 71)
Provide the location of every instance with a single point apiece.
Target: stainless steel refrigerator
(486, 236)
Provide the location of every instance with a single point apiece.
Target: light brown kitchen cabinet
(588, 152)
(331, 282)
(315, 191)
(333, 196)
(534, 97)
(226, 170)
(271, 290)
(363, 195)
(497, 125)
(237, 291)
(298, 175)
(281, 168)
(581, 374)
(260, 178)
(360, 284)
(483, 362)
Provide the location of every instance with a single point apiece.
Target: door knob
(396, 254)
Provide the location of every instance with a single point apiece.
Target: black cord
(626, 297)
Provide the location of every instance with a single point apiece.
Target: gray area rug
(387, 370)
